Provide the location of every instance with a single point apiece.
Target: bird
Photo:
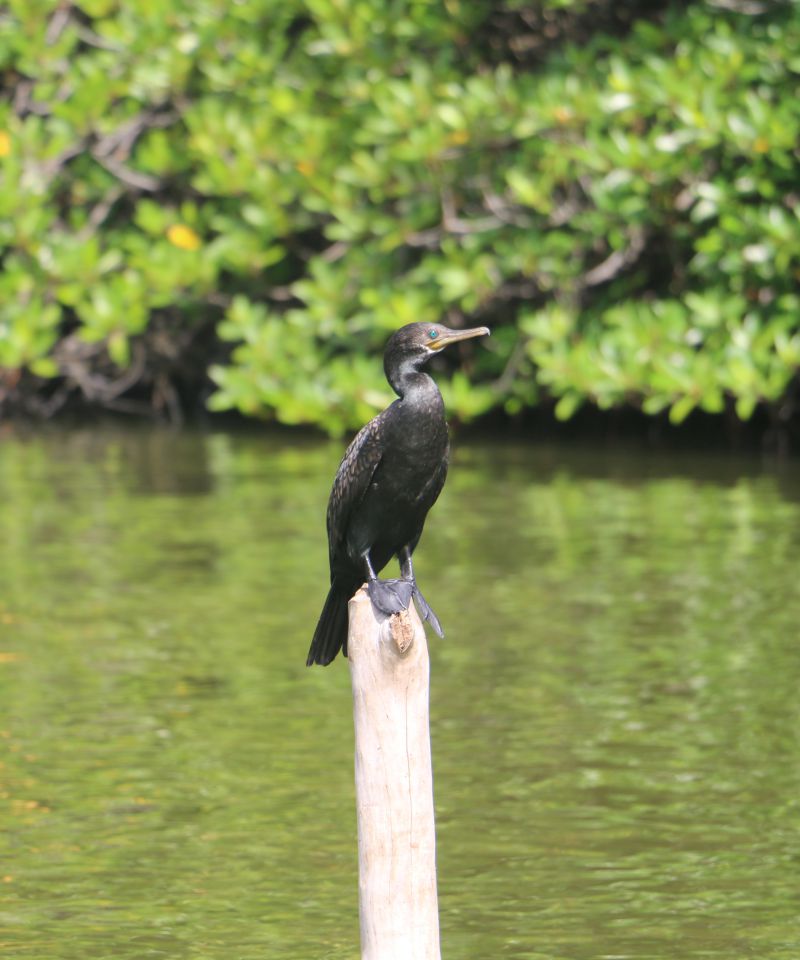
(389, 478)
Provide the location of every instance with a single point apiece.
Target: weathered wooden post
(389, 669)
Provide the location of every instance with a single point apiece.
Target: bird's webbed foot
(424, 609)
(407, 573)
(389, 596)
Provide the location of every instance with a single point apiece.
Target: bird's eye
(433, 334)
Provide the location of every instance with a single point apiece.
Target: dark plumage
(388, 480)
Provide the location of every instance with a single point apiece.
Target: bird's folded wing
(355, 473)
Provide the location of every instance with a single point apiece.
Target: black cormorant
(388, 480)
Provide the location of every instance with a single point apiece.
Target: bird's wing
(362, 458)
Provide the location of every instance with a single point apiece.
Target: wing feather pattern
(362, 458)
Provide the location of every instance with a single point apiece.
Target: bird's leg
(387, 596)
(407, 573)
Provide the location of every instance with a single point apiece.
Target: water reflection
(614, 707)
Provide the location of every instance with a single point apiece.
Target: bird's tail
(331, 634)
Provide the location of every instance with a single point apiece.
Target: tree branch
(618, 261)
(133, 178)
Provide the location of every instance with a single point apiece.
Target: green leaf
(45, 367)
(745, 406)
(681, 409)
(568, 405)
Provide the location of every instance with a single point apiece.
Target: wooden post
(389, 669)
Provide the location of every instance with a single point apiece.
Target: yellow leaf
(179, 235)
(5, 144)
(458, 137)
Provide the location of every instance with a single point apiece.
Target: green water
(615, 709)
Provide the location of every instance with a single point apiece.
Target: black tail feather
(331, 634)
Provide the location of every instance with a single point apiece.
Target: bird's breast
(417, 443)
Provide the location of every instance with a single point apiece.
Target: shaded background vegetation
(231, 205)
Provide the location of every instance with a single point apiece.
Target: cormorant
(388, 480)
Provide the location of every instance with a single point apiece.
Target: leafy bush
(266, 189)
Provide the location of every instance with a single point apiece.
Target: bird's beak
(453, 336)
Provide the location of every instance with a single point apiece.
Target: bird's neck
(415, 387)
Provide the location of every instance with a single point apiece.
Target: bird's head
(414, 344)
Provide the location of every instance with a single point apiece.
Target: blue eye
(433, 334)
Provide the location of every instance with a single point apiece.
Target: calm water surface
(616, 719)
